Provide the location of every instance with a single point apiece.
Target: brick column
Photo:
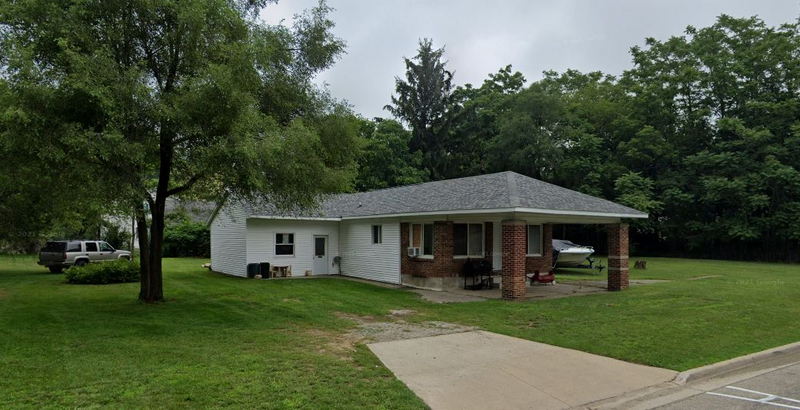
(617, 256)
(443, 244)
(513, 276)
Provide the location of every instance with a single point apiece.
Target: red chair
(536, 277)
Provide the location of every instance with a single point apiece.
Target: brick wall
(514, 247)
(443, 264)
(617, 256)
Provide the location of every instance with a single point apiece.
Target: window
(319, 246)
(535, 240)
(468, 240)
(54, 247)
(377, 234)
(74, 246)
(105, 247)
(284, 244)
(422, 238)
(427, 239)
(91, 246)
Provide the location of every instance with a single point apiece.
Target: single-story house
(420, 235)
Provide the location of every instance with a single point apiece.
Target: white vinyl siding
(262, 233)
(228, 241)
(363, 259)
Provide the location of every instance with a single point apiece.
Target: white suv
(57, 255)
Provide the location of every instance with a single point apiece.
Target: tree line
(702, 132)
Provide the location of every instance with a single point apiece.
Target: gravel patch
(400, 330)
(371, 330)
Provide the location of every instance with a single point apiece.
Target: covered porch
(515, 245)
(515, 268)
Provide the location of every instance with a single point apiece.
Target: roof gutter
(459, 212)
(503, 210)
(296, 218)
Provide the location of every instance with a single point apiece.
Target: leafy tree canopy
(160, 98)
(386, 160)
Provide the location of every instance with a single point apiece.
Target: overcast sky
(482, 36)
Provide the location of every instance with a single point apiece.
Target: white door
(320, 255)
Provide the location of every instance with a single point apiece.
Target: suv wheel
(80, 262)
(56, 269)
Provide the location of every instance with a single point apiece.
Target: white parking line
(767, 399)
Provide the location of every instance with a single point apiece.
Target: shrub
(119, 271)
(186, 238)
(116, 236)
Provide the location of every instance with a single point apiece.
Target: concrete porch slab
(484, 370)
(559, 290)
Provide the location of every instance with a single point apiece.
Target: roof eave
(297, 218)
(502, 210)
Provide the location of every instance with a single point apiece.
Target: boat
(569, 254)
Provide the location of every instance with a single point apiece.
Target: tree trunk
(133, 233)
(144, 252)
(154, 292)
(154, 289)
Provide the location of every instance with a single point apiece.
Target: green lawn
(221, 341)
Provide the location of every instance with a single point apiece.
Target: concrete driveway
(484, 370)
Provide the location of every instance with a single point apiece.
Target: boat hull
(572, 257)
(568, 253)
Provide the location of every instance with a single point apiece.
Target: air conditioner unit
(413, 252)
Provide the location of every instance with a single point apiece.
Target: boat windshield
(563, 244)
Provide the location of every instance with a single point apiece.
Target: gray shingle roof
(197, 211)
(501, 190)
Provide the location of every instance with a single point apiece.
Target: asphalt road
(778, 389)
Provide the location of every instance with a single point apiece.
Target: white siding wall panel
(363, 259)
(228, 241)
(261, 243)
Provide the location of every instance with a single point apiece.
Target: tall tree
(159, 98)
(422, 101)
(474, 114)
(385, 159)
(531, 132)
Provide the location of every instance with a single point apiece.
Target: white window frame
(483, 240)
(527, 241)
(293, 243)
(422, 238)
(380, 234)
